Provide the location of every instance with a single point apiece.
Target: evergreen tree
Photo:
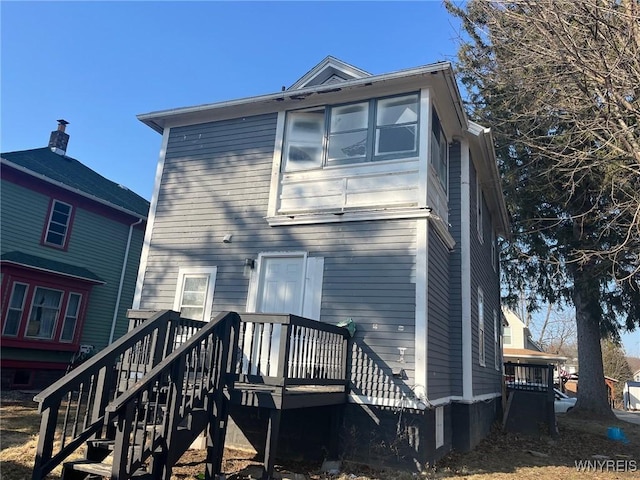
(559, 84)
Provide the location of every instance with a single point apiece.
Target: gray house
(346, 196)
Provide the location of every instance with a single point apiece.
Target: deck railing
(287, 350)
(72, 409)
(163, 382)
(529, 377)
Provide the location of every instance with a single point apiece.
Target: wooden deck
(134, 398)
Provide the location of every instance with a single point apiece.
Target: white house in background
(518, 347)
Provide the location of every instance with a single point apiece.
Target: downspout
(122, 274)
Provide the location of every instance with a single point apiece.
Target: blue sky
(99, 64)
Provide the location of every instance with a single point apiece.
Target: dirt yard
(500, 456)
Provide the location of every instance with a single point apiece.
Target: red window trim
(47, 222)
(15, 274)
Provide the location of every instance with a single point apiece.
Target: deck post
(271, 446)
(337, 412)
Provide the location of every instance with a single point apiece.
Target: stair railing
(158, 419)
(72, 409)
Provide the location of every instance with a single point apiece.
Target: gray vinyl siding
(439, 347)
(485, 379)
(455, 272)
(96, 242)
(216, 181)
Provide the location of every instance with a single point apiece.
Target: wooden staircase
(132, 410)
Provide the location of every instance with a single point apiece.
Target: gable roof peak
(329, 70)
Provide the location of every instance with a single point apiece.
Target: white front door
(281, 287)
(280, 290)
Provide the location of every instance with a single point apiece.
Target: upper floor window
(494, 251)
(496, 339)
(439, 151)
(58, 224)
(506, 335)
(374, 130)
(480, 210)
(481, 336)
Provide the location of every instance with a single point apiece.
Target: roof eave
(490, 162)
(44, 178)
(55, 272)
(158, 119)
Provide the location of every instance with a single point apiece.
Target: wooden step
(102, 444)
(100, 469)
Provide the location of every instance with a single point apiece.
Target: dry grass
(500, 456)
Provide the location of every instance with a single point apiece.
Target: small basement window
(22, 378)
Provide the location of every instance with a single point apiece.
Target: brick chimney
(59, 140)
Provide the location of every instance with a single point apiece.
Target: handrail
(72, 408)
(281, 350)
(167, 370)
(190, 379)
(117, 404)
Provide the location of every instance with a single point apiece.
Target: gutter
(122, 274)
(156, 120)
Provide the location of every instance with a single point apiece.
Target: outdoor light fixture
(227, 238)
(250, 263)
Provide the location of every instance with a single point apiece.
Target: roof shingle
(76, 175)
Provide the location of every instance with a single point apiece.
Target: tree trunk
(592, 391)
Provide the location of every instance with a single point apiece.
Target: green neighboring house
(70, 249)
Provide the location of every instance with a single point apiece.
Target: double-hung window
(305, 138)
(439, 151)
(494, 251)
(15, 309)
(480, 210)
(58, 224)
(506, 335)
(373, 130)
(45, 309)
(71, 317)
(194, 295)
(496, 340)
(481, 337)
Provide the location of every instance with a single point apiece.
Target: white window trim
(496, 339)
(212, 272)
(494, 251)
(510, 336)
(66, 314)
(482, 343)
(356, 213)
(479, 210)
(439, 427)
(6, 315)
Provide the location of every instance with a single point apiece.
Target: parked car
(563, 403)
